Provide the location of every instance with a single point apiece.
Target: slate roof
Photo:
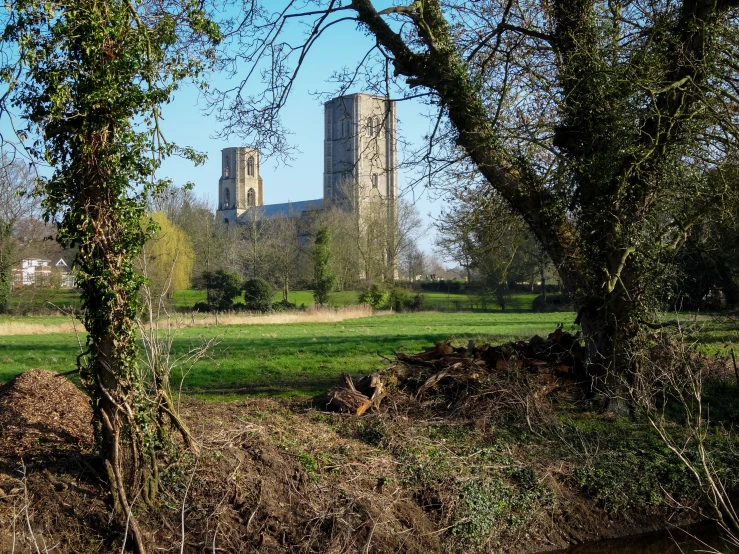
(291, 208)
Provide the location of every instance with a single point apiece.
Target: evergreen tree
(323, 266)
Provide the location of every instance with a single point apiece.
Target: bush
(401, 300)
(258, 295)
(375, 296)
(202, 307)
(223, 286)
(416, 303)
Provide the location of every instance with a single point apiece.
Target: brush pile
(457, 380)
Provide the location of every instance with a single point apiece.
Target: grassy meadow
(291, 357)
(304, 357)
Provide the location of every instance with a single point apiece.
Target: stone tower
(360, 160)
(360, 150)
(240, 186)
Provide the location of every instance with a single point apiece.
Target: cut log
(373, 387)
(346, 401)
(368, 384)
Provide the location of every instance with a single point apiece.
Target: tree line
(364, 249)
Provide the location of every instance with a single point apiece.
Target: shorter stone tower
(240, 186)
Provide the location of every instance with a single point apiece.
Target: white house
(33, 271)
(38, 271)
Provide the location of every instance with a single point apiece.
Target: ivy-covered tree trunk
(90, 70)
(323, 271)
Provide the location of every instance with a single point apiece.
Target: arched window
(370, 127)
(378, 126)
(226, 198)
(375, 180)
(226, 165)
(225, 220)
(251, 198)
(250, 166)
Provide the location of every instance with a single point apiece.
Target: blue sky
(341, 46)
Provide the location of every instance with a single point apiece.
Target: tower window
(226, 165)
(378, 126)
(370, 127)
(251, 198)
(250, 166)
(375, 180)
(226, 198)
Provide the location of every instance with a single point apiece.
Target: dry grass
(18, 328)
(312, 315)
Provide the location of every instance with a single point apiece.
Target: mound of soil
(43, 414)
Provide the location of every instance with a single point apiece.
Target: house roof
(291, 208)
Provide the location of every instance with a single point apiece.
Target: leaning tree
(595, 121)
(87, 79)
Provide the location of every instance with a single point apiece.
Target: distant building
(33, 271)
(360, 166)
(39, 272)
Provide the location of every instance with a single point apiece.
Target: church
(360, 165)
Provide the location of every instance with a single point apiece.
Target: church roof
(291, 208)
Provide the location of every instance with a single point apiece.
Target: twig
(184, 501)
(25, 508)
(259, 501)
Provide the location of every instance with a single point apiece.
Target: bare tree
(412, 261)
(16, 205)
(282, 235)
(253, 234)
(408, 229)
(343, 245)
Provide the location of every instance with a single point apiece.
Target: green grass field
(303, 357)
(307, 357)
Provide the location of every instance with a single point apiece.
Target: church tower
(240, 186)
(360, 163)
(360, 150)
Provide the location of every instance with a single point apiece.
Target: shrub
(258, 295)
(401, 300)
(417, 302)
(375, 296)
(223, 288)
(202, 307)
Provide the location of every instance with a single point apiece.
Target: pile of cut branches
(465, 380)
